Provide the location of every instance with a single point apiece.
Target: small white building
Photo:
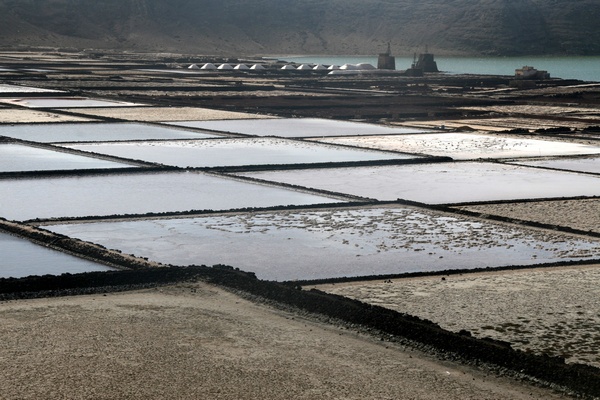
(528, 72)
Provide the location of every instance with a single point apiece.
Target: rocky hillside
(247, 27)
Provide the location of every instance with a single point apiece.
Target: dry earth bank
(197, 341)
(547, 310)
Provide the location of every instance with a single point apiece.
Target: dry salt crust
(16, 157)
(297, 127)
(577, 214)
(334, 243)
(12, 116)
(66, 102)
(537, 110)
(437, 124)
(553, 311)
(115, 194)
(22, 258)
(96, 132)
(466, 146)
(502, 124)
(441, 183)
(591, 165)
(228, 152)
(195, 341)
(156, 114)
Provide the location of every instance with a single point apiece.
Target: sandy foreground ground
(196, 341)
(547, 310)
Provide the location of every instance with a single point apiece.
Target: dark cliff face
(230, 27)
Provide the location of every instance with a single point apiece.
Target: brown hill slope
(233, 27)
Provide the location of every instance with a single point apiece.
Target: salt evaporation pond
(311, 244)
(591, 165)
(66, 102)
(5, 88)
(296, 127)
(441, 183)
(22, 258)
(94, 132)
(467, 146)
(16, 157)
(116, 194)
(235, 152)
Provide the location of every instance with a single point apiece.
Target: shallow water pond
(236, 151)
(591, 164)
(137, 193)
(330, 243)
(93, 132)
(441, 183)
(16, 157)
(22, 258)
(66, 102)
(296, 127)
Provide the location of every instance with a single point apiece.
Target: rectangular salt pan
(466, 146)
(117, 194)
(22, 258)
(66, 102)
(334, 243)
(441, 183)
(15, 157)
(94, 132)
(236, 152)
(4, 88)
(296, 127)
(591, 165)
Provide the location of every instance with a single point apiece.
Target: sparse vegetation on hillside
(233, 27)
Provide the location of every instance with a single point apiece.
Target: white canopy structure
(304, 67)
(333, 67)
(257, 67)
(365, 66)
(194, 66)
(208, 66)
(349, 67)
(225, 67)
(288, 67)
(319, 67)
(241, 67)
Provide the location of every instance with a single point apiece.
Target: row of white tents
(226, 67)
(290, 67)
(321, 67)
